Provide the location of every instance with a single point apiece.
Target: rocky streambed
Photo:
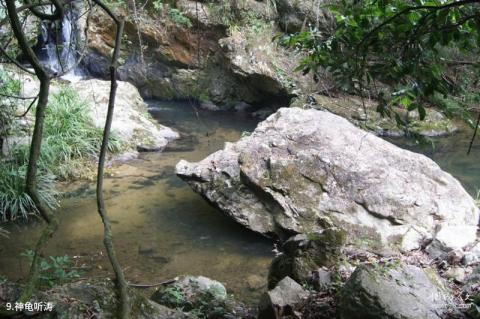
(368, 225)
(364, 229)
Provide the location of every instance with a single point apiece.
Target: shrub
(54, 270)
(70, 142)
(70, 139)
(179, 18)
(14, 201)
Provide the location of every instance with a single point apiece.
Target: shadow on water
(161, 227)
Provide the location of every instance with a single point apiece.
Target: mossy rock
(201, 297)
(305, 253)
(91, 298)
(400, 291)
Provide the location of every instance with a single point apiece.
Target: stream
(163, 229)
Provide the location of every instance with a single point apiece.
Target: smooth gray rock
(302, 169)
(403, 292)
(283, 300)
(130, 123)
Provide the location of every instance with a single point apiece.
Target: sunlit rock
(303, 169)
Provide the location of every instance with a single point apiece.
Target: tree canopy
(408, 54)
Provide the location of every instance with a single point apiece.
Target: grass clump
(70, 144)
(14, 201)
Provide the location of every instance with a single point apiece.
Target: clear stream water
(163, 229)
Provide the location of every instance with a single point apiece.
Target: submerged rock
(402, 291)
(302, 169)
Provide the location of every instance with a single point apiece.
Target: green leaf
(421, 112)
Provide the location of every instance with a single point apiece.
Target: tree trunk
(31, 187)
(125, 307)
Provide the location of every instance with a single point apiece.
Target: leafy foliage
(407, 53)
(179, 18)
(197, 302)
(70, 139)
(172, 297)
(54, 270)
(157, 5)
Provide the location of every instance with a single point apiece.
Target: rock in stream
(303, 169)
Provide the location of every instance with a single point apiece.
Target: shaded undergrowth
(69, 150)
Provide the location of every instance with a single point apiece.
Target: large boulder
(303, 169)
(132, 124)
(394, 291)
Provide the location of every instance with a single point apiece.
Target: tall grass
(15, 203)
(69, 150)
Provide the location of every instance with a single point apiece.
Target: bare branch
(125, 308)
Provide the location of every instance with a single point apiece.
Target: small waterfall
(58, 46)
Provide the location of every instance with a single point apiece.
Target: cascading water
(58, 46)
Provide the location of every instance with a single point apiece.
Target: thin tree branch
(125, 307)
(474, 135)
(415, 8)
(31, 186)
(29, 107)
(14, 61)
(56, 15)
